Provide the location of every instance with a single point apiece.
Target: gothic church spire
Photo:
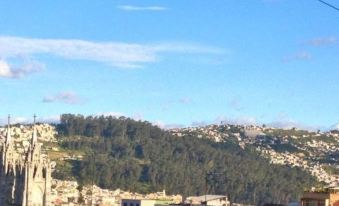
(34, 136)
(8, 136)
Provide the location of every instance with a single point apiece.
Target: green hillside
(134, 155)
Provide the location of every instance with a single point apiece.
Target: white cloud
(289, 124)
(185, 100)
(335, 127)
(112, 114)
(159, 124)
(141, 8)
(323, 41)
(199, 123)
(285, 124)
(138, 116)
(165, 126)
(67, 97)
(235, 103)
(7, 71)
(49, 119)
(298, 56)
(117, 54)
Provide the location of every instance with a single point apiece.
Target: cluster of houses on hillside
(23, 133)
(311, 148)
(69, 193)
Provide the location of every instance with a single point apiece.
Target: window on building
(125, 203)
(311, 202)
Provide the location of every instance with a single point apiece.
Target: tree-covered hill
(134, 155)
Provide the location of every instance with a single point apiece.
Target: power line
(330, 5)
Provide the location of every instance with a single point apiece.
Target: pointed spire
(34, 136)
(9, 136)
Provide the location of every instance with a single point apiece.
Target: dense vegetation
(137, 156)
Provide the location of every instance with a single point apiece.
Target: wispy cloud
(138, 116)
(323, 41)
(335, 127)
(298, 56)
(110, 114)
(14, 120)
(8, 71)
(185, 100)
(283, 121)
(141, 8)
(68, 97)
(235, 103)
(241, 120)
(117, 54)
(165, 126)
(290, 123)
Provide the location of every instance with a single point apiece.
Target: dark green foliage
(134, 155)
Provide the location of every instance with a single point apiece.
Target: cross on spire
(34, 118)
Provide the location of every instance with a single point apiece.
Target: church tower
(8, 162)
(38, 177)
(25, 179)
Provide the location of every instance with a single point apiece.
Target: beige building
(327, 197)
(144, 202)
(25, 177)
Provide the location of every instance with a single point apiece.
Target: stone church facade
(25, 177)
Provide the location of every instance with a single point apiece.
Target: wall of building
(217, 202)
(334, 199)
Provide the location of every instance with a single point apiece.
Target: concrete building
(327, 197)
(25, 178)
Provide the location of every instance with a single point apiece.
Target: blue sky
(172, 62)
